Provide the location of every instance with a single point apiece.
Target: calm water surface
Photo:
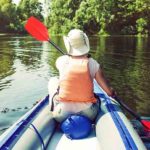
(26, 66)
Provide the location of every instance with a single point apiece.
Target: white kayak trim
(123, 131)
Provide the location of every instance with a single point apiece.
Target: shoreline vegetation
(95, 17)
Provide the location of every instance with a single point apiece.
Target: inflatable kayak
(37, 130)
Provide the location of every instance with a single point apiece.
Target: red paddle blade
(146, 124)
(37, 29)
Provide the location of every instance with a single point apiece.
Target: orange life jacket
(77, 84)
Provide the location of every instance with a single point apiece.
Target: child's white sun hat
(77, 43)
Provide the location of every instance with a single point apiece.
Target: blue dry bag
(76, 127)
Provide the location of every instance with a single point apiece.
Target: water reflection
(142, 69)
(26, 66)
(21, 70)
(126, 63)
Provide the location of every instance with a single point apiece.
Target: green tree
(26, 9)
(29, 8)
(143, 11)
(86, 18)
(7, 14)
(61, 15)
(99, 16)
(93, 16)
(141, 23)
(89, 15)
(13, 18)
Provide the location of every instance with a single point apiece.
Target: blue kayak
(38, 130)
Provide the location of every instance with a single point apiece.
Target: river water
(26, 66)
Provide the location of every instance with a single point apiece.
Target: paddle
(39, 31)
(145, 123)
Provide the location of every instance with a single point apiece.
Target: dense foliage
(12, 17)
(94, 16)
(100, 16)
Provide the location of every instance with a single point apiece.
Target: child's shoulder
(62, 58)
(92, 60)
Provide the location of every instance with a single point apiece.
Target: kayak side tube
(113, 130)
(31, 140)
(34, 134)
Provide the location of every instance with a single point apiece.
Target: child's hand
(114, 93)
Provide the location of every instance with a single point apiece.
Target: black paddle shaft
(128, 109)
(58, 48)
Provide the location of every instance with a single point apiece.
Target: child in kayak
(75, 84)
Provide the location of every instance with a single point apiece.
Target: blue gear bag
(76, 127)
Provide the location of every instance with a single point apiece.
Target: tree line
(13, 17)
(103, 17)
